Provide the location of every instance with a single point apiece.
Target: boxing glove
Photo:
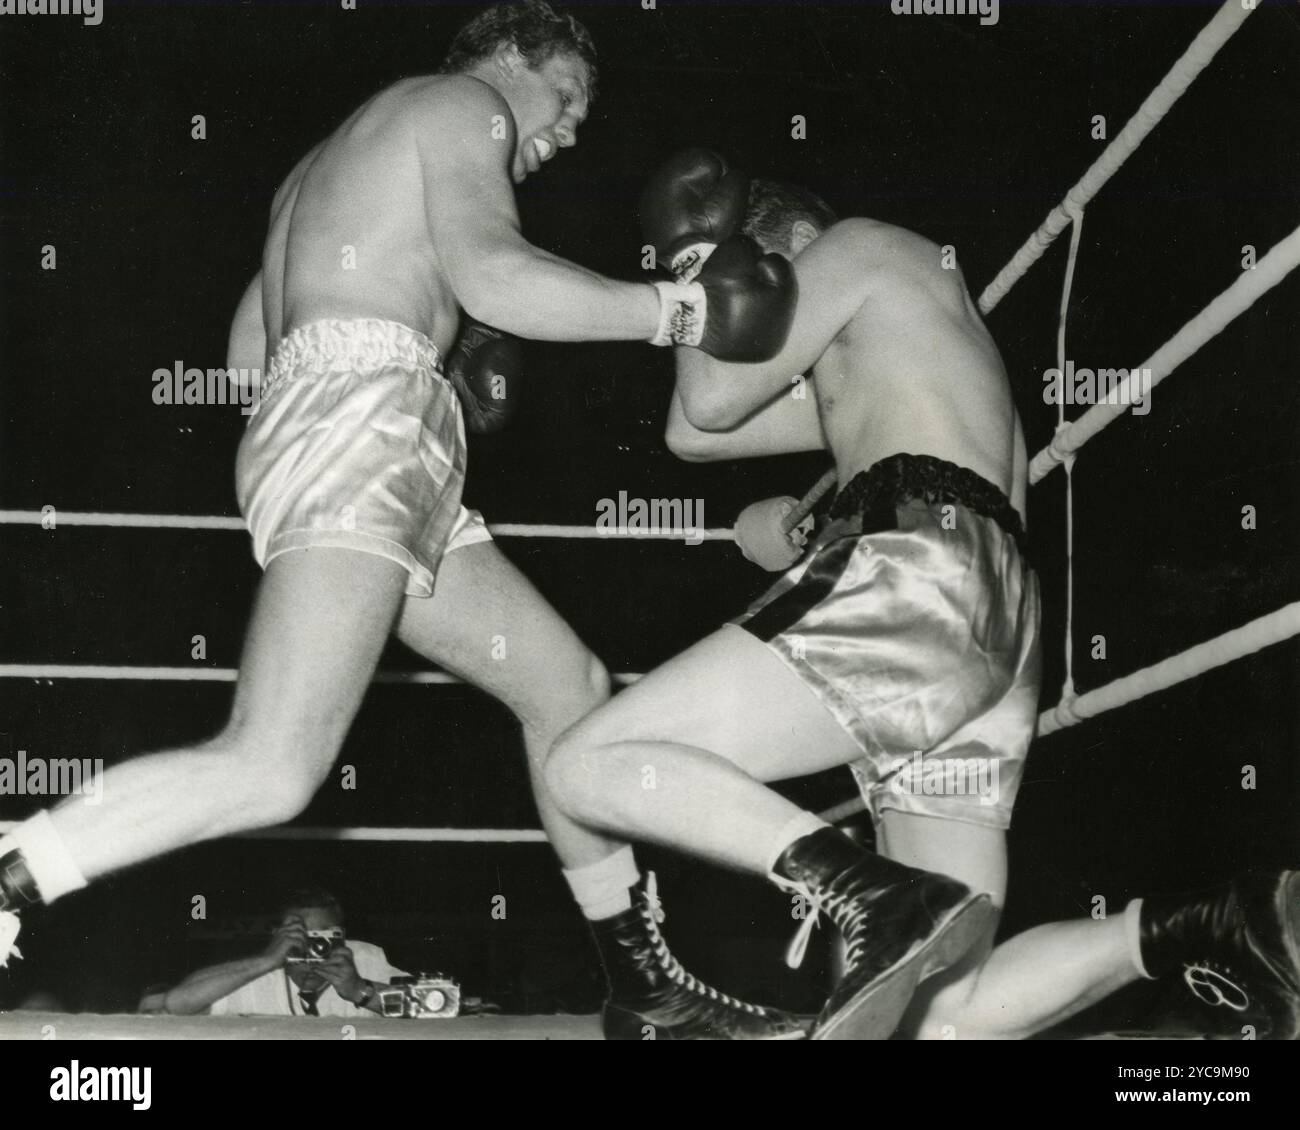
(483, 367)
(692, 202)
(762, 536)
(739, 308)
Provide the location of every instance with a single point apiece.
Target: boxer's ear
(802, 233)
(510, 60)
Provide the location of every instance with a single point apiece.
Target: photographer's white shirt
(273, 994)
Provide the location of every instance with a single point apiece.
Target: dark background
(968, 134)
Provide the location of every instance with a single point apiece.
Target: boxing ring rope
(214, 674)
(1076, 236)
(1069, 438)
(1281, 260)
(201, 522)
(1236, 644)
(1158, 103)
(1254, 636)
(379, 835)
(1274, 628)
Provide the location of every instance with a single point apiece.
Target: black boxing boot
(652, 997)
(900, 925)
(1237, 947)
(17, 890)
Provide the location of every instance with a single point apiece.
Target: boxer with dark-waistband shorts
(904, 644)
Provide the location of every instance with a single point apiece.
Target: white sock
(602, 889)
(1133, 935)
(46, 856)
(805, 824)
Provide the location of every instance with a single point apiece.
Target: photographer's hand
(340, 970)
(289, 939)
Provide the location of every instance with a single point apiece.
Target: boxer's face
(549, 102)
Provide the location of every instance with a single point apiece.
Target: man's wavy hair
(534, 27)
(311, 898)
(775, 207)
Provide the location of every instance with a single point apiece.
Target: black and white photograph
(648, 520)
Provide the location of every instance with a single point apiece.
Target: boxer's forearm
(835, 277)
(538, 296)
(466, 142)
(717, 396)
(788, 423)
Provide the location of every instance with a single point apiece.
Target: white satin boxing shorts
(357, 443)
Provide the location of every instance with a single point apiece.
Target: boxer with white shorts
(351, 469)
(357, 443)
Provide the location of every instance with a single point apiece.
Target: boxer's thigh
(319, 624)
(731, 695)
(972, 853)
(487, 623)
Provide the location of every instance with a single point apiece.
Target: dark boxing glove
(483, 368)
(739, 308)
(692, 202)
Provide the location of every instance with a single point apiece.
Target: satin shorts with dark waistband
(357, 443)
(914, 619)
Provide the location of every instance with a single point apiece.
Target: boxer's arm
(246, 347)
(496, 275)
(835, 276)
(788, 424)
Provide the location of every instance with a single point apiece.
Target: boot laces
(819, 902)
(9, 925)
(652, 913)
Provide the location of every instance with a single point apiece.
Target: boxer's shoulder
(854, 256)
(889, 260)
(879, 246)
(455, 119)
(452, 99)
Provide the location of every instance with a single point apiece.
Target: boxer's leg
(318, 626)
(1030, 982)
(678, 757)
(486, 623)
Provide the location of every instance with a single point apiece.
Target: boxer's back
(349, 233)
(916, 371)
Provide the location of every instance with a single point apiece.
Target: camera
(426, 996)
(320, 944)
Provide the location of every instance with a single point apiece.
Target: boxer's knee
(584, 685)
(270, 778)
(570, 773)
(570, 691)
(282, 793)
(595, 685)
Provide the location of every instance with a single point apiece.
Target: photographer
(309, 969)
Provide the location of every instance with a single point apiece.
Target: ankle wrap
(17, 887)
